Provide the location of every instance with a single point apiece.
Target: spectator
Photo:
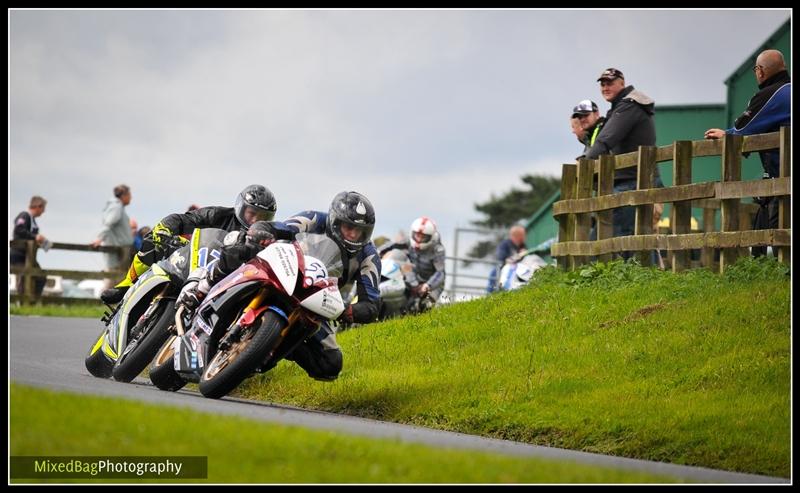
(588, 115)
(25, 228)
(629, 124)
(137, 240)
(507, 249)
(577, 130)
(768, 110)
(192, 207)
(116, 229)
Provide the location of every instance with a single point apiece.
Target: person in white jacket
(116, 229)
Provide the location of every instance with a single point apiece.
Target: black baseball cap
(610, 74)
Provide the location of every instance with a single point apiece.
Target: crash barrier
(582, 195)
(29, 272)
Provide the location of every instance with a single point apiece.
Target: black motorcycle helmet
(260, 233)
(353, 209)
(258, 200)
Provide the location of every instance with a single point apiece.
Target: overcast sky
(425, 112)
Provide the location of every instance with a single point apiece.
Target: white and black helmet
(258, 201)
(353, 209)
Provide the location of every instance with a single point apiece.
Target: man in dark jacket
(629, 124)
(25, 228)
(769, 109)
(254, 203)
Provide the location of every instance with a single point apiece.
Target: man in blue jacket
(768, 110)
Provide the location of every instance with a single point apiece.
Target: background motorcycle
(254, 317)
(138, 326)
(394, 293)
(519, 270)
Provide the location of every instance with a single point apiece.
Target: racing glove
(162, 236)
(347, 315)
(195, 290)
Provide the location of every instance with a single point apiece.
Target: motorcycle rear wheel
(229, 368)
(162, 372)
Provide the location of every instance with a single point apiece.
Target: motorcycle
(254, 317)
(136, 328)
(519, 270)
(394, 300)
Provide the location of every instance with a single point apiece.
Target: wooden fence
(579, 201)
(28, 271)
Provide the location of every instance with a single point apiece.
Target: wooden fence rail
(587, 188)
(29, 272)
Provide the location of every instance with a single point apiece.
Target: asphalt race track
(49, 352)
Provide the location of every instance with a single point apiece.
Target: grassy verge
(690, 368)
(86, 311)
(245, 451)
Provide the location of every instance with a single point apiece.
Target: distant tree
(503, 211)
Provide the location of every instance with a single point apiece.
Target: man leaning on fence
(116, 229)
(768, 110)
(629, 124)
(25, 228)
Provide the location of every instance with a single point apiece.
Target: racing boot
(115, 294)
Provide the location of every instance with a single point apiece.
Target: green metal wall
(542, 226)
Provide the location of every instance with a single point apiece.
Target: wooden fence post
(644, 212)
(784, 203)
(583, 222)
(707, 253)
(605, 186)
(731, 171)
(566, 222)
(30, 260)
(681, 220)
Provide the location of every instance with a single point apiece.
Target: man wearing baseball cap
(629, 124)
(588, 114)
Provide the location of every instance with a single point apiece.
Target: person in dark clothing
(768, 110)
(349, 222)
(629, 124)
(25, 228)
(254, 203)
(507, 249)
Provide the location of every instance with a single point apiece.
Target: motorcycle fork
(147, 313)
(245, 320)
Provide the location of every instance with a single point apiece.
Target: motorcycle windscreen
(282, 257)
(324, 249)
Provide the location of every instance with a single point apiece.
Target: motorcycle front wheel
(230, 367)
(98, 364)
(133, 360)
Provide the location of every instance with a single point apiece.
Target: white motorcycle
(518, 270)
